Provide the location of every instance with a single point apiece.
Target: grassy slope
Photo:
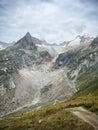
(88, 82)
(47, 119)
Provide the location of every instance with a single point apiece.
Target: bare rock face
(27, 42)
(94, 42)
(79, 61)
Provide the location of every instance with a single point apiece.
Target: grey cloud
(52, 20)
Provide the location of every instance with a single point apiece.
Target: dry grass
(62, 120)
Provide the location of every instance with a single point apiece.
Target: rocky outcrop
(94, 42)
(79, 60)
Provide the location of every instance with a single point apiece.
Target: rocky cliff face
(80, 60)
(94, 42)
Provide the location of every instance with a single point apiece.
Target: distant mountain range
(78, 40)
(4, 45)
(34, 73)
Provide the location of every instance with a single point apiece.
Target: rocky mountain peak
(28, 36)
(27, 42)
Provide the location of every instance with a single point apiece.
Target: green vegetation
(87, 87)
(87, 82)
(89, 101)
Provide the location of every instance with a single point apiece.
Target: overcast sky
(50, 20)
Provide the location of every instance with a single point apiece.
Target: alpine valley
(42, 85)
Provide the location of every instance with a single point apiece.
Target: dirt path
(86, 115)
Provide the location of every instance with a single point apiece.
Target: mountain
(27, 42)
(4, 45)
(28, 76)
(78, 41)
(82, 65)
(60, 80)
(54, 49)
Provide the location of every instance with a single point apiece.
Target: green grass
(88, 86)
(89, 101)
(87, 82)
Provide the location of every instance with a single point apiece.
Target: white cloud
(54, 21)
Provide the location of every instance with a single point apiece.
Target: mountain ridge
(82, 38)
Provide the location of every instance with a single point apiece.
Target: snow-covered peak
(54, 50)
(75, 42)
(80, 41)
(1, 47)
(4, 45)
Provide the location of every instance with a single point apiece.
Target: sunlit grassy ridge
(46, 119)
